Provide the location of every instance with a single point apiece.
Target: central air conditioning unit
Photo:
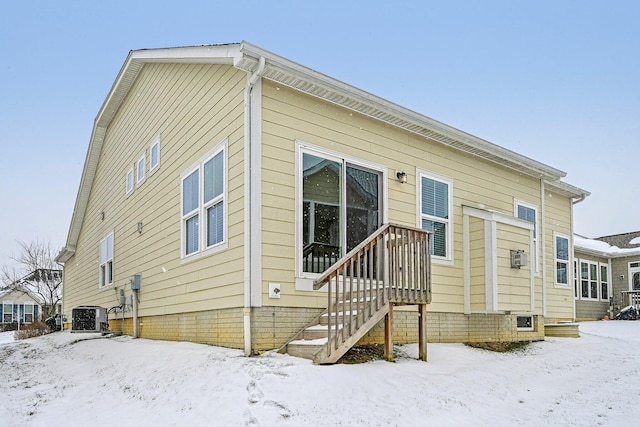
(89, 318)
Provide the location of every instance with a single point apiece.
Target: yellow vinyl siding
(290, 116)
(192, 108)
(514, 285)
(558, 219)
(478, 296)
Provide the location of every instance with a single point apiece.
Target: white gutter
(251, 189)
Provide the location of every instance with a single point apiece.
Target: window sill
(185, 259)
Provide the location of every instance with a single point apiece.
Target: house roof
(23, 289)
(624, 241)
(603, 248)
(246, 56)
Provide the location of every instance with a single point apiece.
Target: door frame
(304, 280)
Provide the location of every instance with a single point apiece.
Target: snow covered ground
(73, 379)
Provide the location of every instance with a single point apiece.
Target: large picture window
(106, 261)
(435, 204)
(203, 204)
(341, 205)
(562, 260)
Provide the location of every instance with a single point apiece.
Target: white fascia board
(567, 189)
(206, 54)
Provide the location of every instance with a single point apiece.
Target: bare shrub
(31, 330)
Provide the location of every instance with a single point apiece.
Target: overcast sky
(556, 81)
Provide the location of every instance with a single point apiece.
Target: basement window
(525, 323)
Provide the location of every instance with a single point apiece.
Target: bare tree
(38, 272)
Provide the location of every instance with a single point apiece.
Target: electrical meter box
(136, 281)
(518, 259)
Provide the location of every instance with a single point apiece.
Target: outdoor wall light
(402, 177)
(140, 227)
(102, 215)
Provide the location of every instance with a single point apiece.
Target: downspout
(573, 283)
(543, 243)
(248, 182)
(61, 264)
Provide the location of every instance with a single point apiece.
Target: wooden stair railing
(392, 266)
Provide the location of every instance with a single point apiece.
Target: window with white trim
(524, 323)
(634, 276)
(154, 156)
(140, 168)
(561, 250)
(7, 312)
(203, 202)
(340, 204)
(588, 280)
(130, 181)
(604, 282)
(28, 312)
(529, 212)
(435, 204)
(106, 261)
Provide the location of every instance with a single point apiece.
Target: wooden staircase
(391, 267)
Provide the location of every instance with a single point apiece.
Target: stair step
(317, 332)
(305, 349)
(324, 319)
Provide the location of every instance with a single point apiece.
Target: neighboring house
(229, 178)
(606, 274)
(19, 306)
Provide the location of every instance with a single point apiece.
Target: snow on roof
(602, 248)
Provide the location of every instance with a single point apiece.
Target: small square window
(525, 323)
(141, 169)
(154, 156)
(130, 181)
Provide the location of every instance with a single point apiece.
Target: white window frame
(106, 261)
(129, 185)
(4, 312)
(153, 167)
(142, 161)
(525, 328)
(304, 280)
(634, 267)
(590, 279)
(518, 202)
(201, 209)
(448, 258)
(604, 281)
(24, 310)
(556, 260)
